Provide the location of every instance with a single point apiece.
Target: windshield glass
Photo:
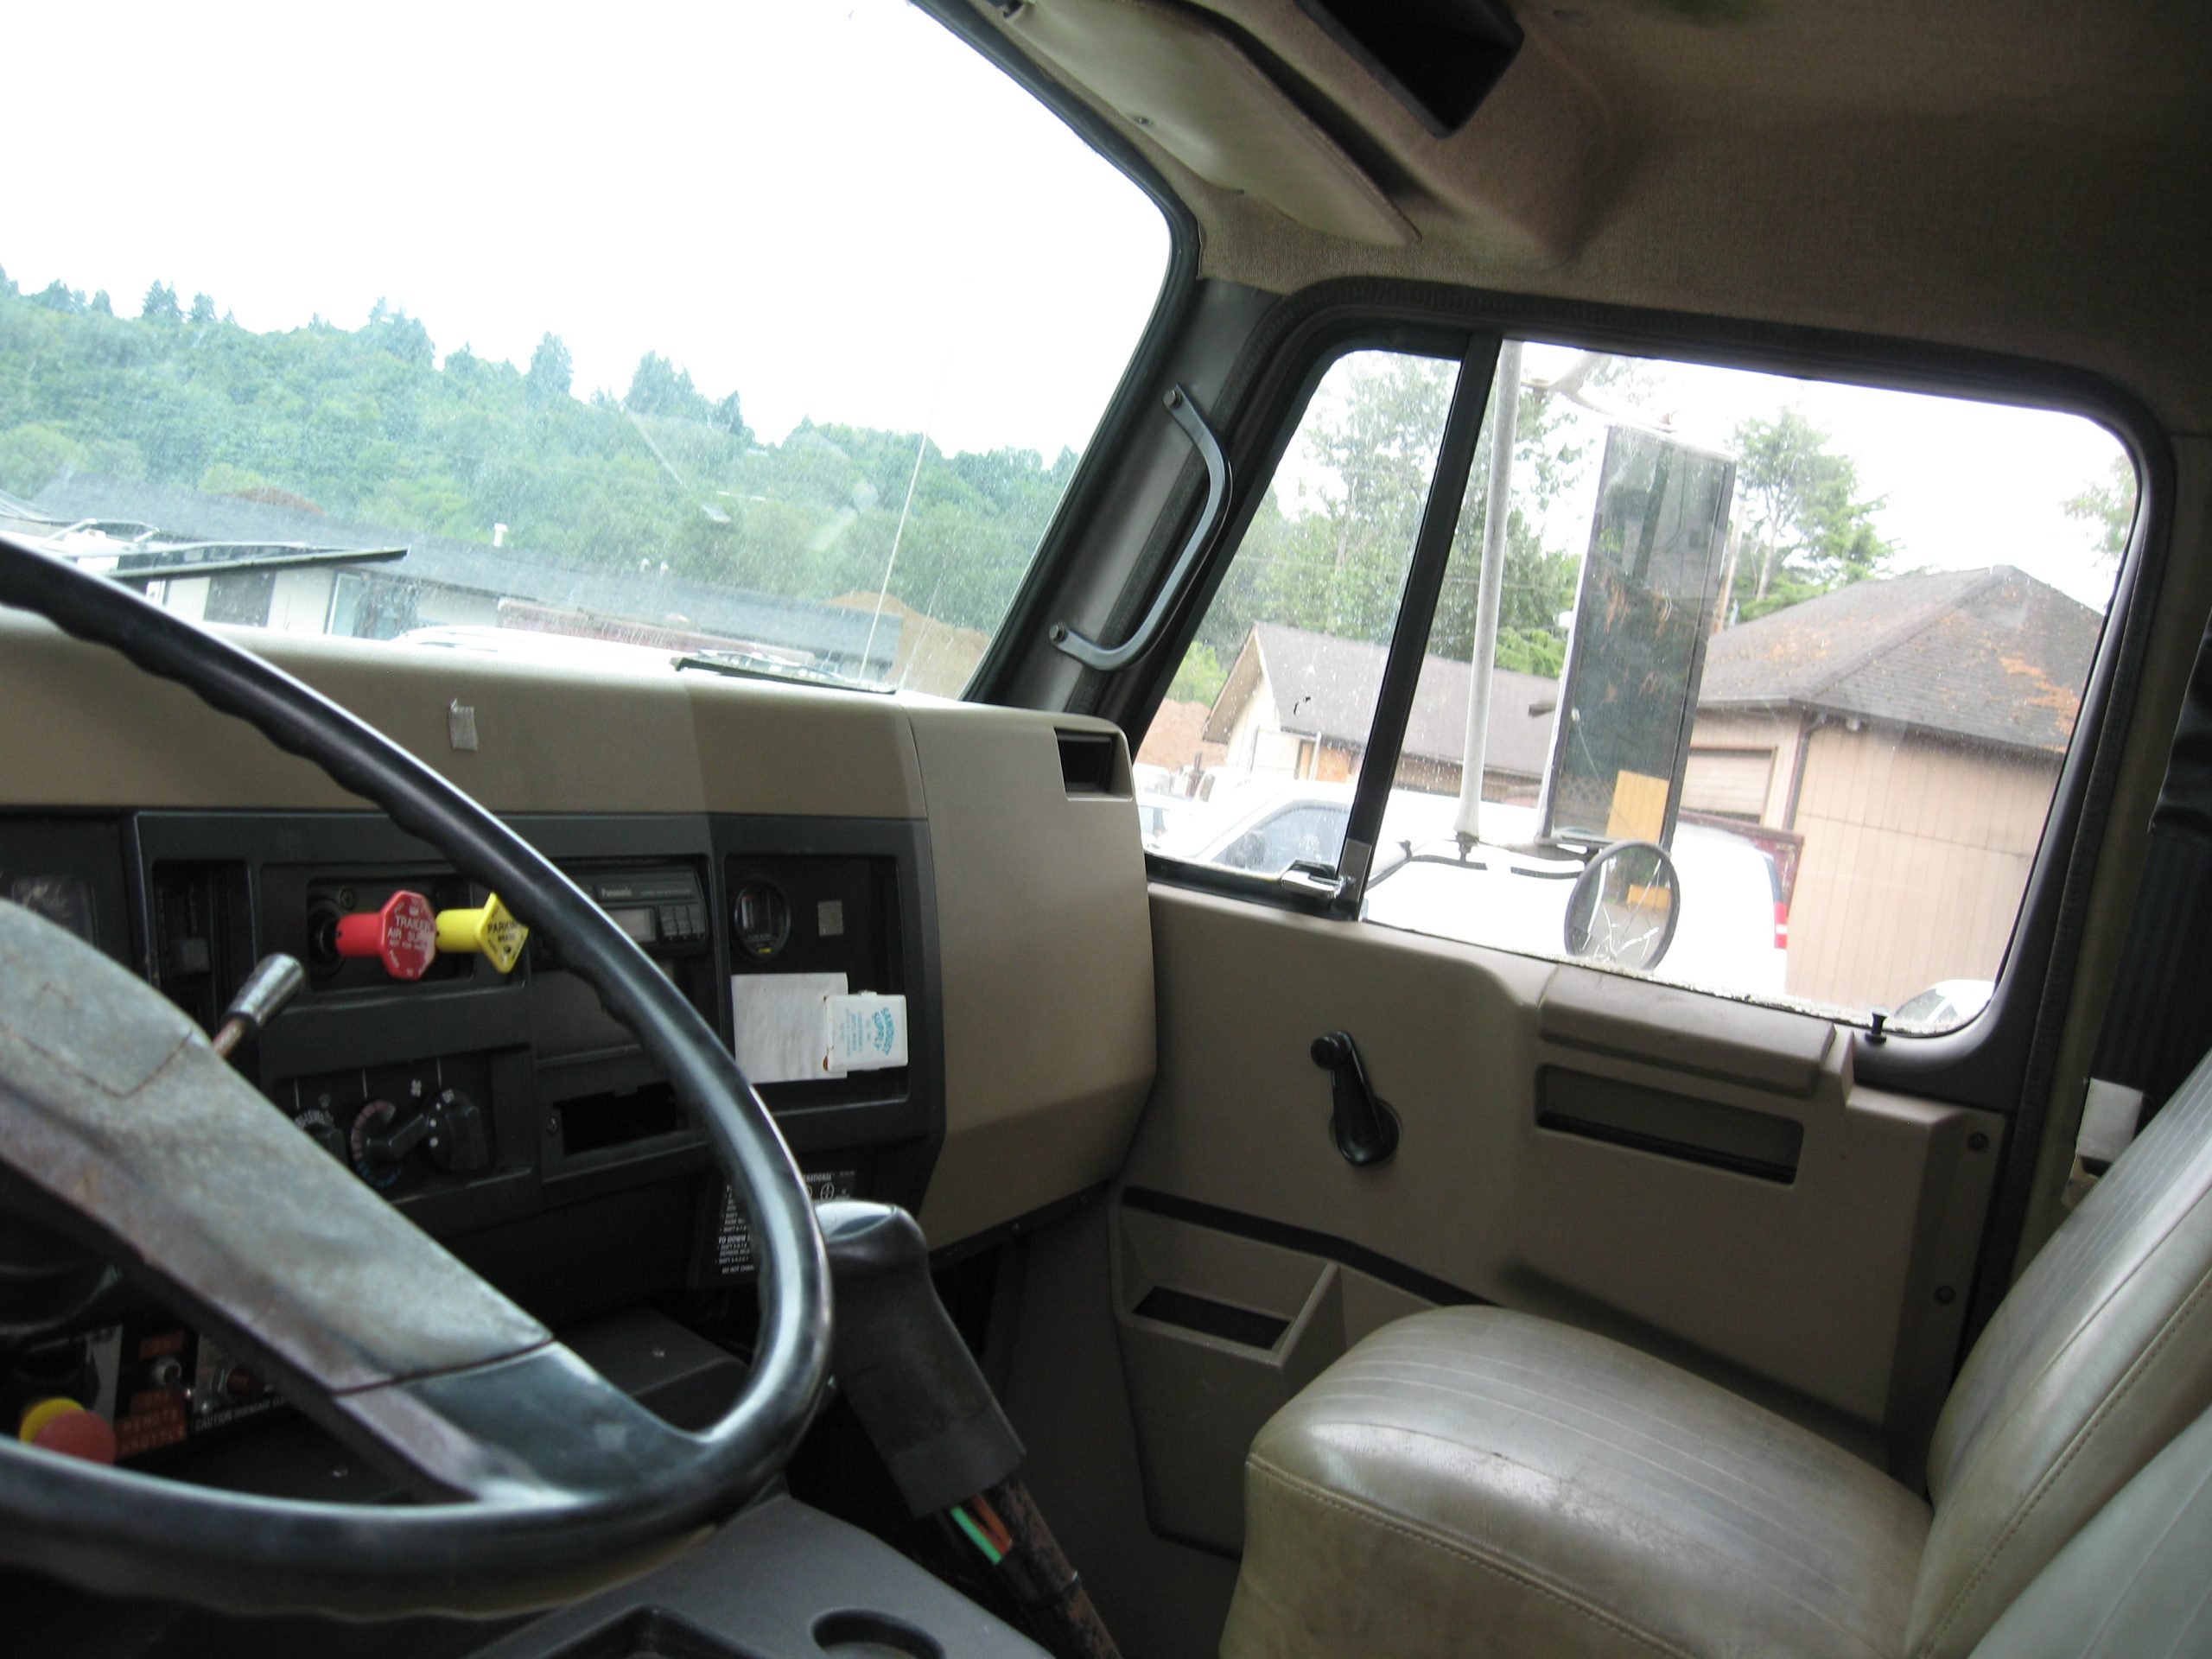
(768, 335)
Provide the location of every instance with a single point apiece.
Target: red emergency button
(63, 1426)
(404, 935)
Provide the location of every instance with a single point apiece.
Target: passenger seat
(1472, 1481)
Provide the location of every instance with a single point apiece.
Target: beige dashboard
(1043, 924)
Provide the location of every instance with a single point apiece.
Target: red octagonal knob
(404, 935)
(63, 1426)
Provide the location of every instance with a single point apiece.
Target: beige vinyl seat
(1472, 1481)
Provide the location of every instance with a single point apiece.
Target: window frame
(1991, 1061)
(1288, 399)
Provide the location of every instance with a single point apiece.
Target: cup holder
(853, 1634)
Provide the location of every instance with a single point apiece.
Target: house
(1908, 734)
(1299, 704)
(1894, 744)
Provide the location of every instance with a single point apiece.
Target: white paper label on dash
(779, 1024)
(864, 1032)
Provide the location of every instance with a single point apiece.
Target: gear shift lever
(923, 1399)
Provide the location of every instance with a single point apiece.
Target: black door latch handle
(1365, 1128)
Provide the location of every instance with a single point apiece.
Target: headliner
(2034, 179)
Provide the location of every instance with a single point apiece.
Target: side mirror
(1623, 906)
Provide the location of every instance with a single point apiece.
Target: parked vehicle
(1507, 892)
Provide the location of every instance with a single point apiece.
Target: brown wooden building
(1909, 732)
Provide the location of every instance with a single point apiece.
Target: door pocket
(1760, 1144)
(1217, 1333)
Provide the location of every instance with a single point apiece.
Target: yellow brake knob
(489, 933)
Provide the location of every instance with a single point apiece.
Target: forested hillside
(368, 425)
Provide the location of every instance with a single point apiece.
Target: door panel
(1557, 1158)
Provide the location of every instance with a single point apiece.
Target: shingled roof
(1322, 684)
(1993, 655)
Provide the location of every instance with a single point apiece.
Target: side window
(1252, 762)
(1752, 684)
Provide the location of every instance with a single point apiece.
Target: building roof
(1176, 737)
(834, 631)
(1993, 655)
(1324, 684)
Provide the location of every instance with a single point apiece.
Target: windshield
(768, 336)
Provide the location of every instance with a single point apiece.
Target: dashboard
(971, 879)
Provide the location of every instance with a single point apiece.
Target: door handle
(1363, 1124)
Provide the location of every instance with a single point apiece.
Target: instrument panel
(448, 1055)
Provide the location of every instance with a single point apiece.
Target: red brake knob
(84, 1434)
(404, 935)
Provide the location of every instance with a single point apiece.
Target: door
(1698, 587)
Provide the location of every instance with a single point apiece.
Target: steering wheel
(120, 1127)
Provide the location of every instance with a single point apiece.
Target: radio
(663, 907)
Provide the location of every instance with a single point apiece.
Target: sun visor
(1191, 90)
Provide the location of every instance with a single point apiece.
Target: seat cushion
(1471, 1482)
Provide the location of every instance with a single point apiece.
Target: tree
(391, 329)
(58, 296)
(369, 426)
(161, 304)
(102, 306)
(1200, 677)
(1804, 528)
(731, 419)
(551, 370)
(1333, 558)
(658, 387)
(203, 309)
(2107, 507)
(1537, 586)
(1328, 547)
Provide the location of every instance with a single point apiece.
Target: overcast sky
(834, 210)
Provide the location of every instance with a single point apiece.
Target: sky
(1962, 485)
(835, 210)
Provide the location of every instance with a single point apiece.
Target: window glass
(767, 335)
(1251, 762)
(1312, 832)
(1783, 678)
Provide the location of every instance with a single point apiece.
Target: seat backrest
(2130, 1584)
(2100, 1356)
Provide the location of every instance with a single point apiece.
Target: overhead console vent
(1090, 764)
(1439, 58)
